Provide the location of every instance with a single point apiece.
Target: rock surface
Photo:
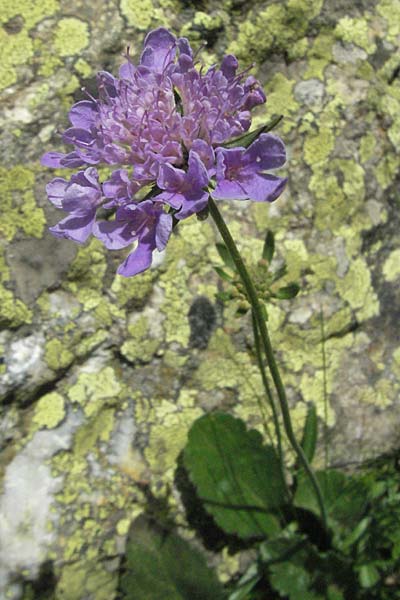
(101, 377)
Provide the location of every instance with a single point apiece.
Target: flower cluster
(162, 125)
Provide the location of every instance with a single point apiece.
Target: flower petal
(264, 188)
(163, 230)
(114, 234)
(56, 191)
(159, 49)
(75, 227)
(266, 152)
(137, 261)
(83, 114)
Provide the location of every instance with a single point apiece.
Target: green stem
(262, 327)
(270, 399)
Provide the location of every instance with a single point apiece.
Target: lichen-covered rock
(101, 376)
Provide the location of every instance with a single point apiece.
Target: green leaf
(310, 433)
(288, 292)
(246, 583)
(238, 479)
(368, 576)
(292, 581)
(246, 139)
(269, 246)
(225, 255)
(279, 273)
(345, 497)
(223, 274)
(160, 564)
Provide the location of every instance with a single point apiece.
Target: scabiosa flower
(163, 124)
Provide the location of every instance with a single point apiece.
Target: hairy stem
(266, 342)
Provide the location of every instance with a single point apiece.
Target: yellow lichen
(391, 266)
(57, 355)
(71, 36)
(93, 390)
(49, 411)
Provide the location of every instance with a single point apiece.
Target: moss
(19, 207)
(71, 36)
(57, 356)
(356, 31)
(49, 411)
(391, 266)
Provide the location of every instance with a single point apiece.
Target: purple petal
(228, 160)
(78, 136)
(173, 199)
(138, 261)
(114, 234)
(56, 191)
(170, 178)
(83, 114)
(73, 160)
(229, 65)
(163, 230)
(197, 176)
(205, 152)
(75, 227)
(266, 152)
(192, 205)
(127, 71)
(52, 160)
(159, 49)
(229, 190)
(264, 188)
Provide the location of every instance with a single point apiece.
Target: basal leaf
(345, 497)
(238, 479)
(160, 564)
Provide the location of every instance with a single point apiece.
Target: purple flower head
(240, 172)
(80, 197)
(160, 125)
(147, 223)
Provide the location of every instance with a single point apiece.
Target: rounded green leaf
(238, 479)
(160, 564)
